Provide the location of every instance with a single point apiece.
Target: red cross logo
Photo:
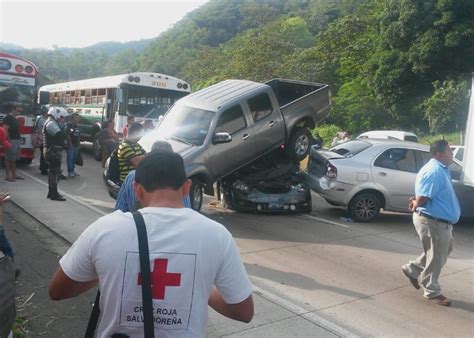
(160, 279)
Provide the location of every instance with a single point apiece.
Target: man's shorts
(13, 153)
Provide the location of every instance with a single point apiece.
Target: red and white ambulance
(18, 86)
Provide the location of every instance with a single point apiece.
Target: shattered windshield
(186, 124)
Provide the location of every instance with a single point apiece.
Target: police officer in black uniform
(53, 143)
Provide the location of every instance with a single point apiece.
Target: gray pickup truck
(224, 127)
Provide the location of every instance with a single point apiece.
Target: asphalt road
(318, 265)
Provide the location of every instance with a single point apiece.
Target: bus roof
(153, 80)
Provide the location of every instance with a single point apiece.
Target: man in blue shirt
(435, 209)
(126, 199)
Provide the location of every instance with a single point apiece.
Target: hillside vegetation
(401, 64)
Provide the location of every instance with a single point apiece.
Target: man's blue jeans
(71, 158)
(5, 246)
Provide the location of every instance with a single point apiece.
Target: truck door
(227, 157)
(268, 124)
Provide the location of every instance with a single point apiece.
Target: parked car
(389, 135)
(458, 153)
(268, 185)
(223, 128)
(367, 175)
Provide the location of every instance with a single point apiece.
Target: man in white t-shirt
(194, 261)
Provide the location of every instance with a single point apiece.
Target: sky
(73, 23)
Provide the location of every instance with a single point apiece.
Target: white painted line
(312, 316)
(75, 199)
(325, 221)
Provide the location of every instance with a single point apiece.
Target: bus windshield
(150, 102)
(186, 124)
(23, 96)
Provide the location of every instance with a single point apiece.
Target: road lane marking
(324, 220)
(292, 307)
(75, 199)
(302, 312)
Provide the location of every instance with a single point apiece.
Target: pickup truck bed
(299, 98)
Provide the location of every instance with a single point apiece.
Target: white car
(458, 153)
(389, 135)
(367, 175)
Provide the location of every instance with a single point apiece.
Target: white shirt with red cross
(189, 253)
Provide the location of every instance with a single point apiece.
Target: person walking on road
(73, 142)
(53, 142)
(129, 152)
(12, 130)
(195, 261)
(435, 209)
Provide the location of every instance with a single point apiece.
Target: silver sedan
(365, 176)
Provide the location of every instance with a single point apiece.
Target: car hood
(179, 147)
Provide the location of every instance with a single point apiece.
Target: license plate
(275, 206)
(22, 141)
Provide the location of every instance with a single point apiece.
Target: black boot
(57, 198)
(53, 195)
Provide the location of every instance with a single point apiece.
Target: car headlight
(298, 187)
(239, 185)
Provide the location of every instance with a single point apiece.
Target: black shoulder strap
(94, 318)
(145, 271)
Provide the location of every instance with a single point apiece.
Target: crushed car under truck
(271, 184)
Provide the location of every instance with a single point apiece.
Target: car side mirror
(221, 138)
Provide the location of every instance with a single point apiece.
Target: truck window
(231, 120)
(260, 106)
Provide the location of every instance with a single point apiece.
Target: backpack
(37, 135)
(113, 169)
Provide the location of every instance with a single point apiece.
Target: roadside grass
(453, 138)
(19, 327)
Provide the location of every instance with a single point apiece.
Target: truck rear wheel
(300, 144)
(196, 194)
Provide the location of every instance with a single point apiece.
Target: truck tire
(196, 194)
(96, 148)
(364, 207)
(299, 145)
(226, 197)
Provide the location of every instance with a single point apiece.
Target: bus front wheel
(97, 149)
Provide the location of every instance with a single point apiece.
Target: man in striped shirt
(126, 199)
(130, 153)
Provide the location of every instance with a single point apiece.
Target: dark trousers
(53, 157)
(43, 163)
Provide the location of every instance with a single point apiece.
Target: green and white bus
(143, 95)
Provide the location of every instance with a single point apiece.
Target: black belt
(433, 218)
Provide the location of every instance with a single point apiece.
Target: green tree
(448, 104)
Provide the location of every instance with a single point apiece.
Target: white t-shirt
(189, 253)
